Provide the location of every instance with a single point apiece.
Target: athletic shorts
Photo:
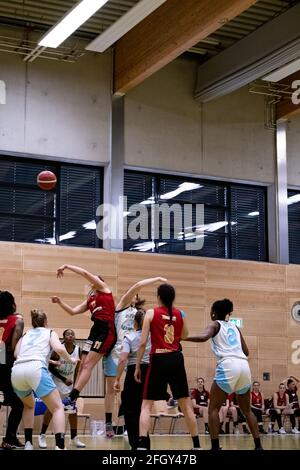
(32, 376)
(166, 369)
(102, 338)
(110, 366)
(233, 375)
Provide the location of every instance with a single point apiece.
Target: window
(194, 217)
(64, 215)
(294, 225)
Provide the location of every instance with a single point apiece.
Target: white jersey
(124, 322)
(35, 346)
(67, 370)
(227, 342)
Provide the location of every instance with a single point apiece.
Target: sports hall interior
(174, 99)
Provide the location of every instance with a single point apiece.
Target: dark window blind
(294, 226)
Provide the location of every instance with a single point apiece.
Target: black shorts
(166, 369)
(102, 338)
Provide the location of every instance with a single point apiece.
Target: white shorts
(31, 376)
(233, 375)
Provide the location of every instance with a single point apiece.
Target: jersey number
(169, 334)
(231, 335)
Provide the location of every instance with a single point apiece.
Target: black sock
(206, 426)
(60, 440)
(74, 394)
(28, 434)
(73, 433)
(143, 442)
(215, 444)
(44, 428)
(196, 442)
(108, 417)
(257, 442)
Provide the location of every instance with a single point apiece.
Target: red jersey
(165, 335)
(201, 398)
(7, 326)
(281, 401)
(256, 399)
(232, 398)
(101, 306)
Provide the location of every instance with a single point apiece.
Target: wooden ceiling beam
(165, 34)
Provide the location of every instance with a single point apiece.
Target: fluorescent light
(146, 246)
(90, 225)
(70, 22)
(283, 72)
(52, 240)
(253, 214)
(134, 16)
(148, 201)
(293, 199)
(181, 189)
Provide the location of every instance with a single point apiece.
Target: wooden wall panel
(263, 295)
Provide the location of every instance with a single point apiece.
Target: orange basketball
(46, 180)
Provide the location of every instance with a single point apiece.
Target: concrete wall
(56, 108)
(166, 129)
(63, 110)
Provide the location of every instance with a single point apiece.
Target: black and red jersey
(256, 399)
(165, 334)
(201, 398)
(281, 400)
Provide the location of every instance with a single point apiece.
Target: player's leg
(217, 398)
(54, 404)
(42, 437)
(244, 403)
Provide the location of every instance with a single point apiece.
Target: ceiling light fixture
(78, 15)
(134, 16)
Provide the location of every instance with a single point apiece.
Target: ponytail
(166, 293)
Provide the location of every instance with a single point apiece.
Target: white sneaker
(295, 431)
(28, 446)
(77, 443)
(236, 431)
(58, 448)
(282, 431)
(42, 441)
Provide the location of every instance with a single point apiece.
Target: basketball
(46, 180)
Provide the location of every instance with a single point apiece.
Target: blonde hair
(38, 318)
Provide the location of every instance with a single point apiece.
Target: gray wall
(56, 108)
(63, 110)
(166, 129)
